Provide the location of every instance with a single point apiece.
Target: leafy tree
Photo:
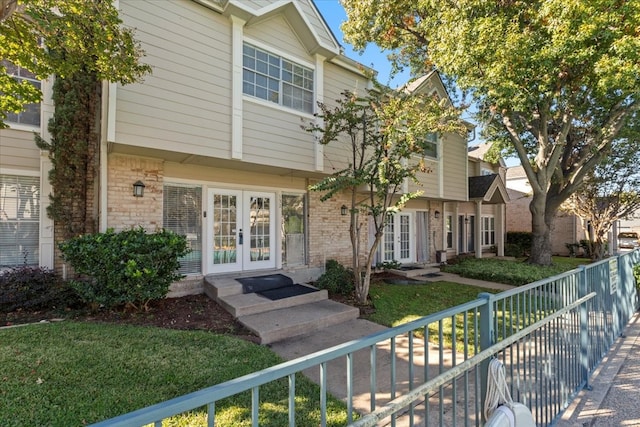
(610, 193)
(82, 43)
(383, 133)
(556, 81)
(63, 38)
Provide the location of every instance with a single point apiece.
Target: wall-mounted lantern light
(466, 220)
(138, 189)
(436, 214)
(343, 210)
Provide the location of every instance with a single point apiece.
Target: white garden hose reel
(499, 408)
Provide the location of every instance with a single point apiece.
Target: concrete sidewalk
(614, 399)
(302, 345)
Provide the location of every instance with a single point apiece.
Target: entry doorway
(241, 230)
(398, 240)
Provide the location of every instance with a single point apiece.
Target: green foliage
(389, 265)
(336, 279)
(383, 133)
(130, 267)
(609, 193)
(74, 374)
(33, 288)
(510, 272)
(64, 37)
(555, 81)
(524, 239)
(514, 250)
(572, 248)
(73, 151)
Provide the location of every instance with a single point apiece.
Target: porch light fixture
(138, 189)
(466, 220)
(436, 214)
(343, 210)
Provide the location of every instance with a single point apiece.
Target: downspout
(104, 119)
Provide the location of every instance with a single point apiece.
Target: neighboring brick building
(567, 228)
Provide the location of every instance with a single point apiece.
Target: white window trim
(452, 231)
(290, 58)
(483, 229)
(281, 53)
(21, 126)
(278, 107)
(438, 144)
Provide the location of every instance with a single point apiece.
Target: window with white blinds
(182, 207)
(19, 220)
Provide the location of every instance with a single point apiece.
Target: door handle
(240, 236)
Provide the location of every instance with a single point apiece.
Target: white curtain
(422, 236)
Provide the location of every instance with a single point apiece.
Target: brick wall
(329, 231)
(125, 211)
(565, 227)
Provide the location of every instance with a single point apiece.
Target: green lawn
(514, 273)
(71, 374)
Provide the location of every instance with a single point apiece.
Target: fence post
(486, 340)
(584, 326)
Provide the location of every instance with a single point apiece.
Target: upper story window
(431, 145)
(484, 172)
(31, 114)
(273, 78)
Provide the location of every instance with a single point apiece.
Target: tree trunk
(541, 224)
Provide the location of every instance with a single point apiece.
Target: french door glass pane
(224, 228)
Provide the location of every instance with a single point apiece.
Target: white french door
(398, 240)
(241, 229)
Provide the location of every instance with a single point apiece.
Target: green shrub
(336, 279)
(508, 272)
(33, 288)
(127, 268)
(514, 250)
(587, 248)
(389, 265)
(524, 239)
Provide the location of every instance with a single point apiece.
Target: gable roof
(488, 188)
(478, 152)
(516, 172)
(303, 16)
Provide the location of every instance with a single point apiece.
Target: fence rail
(550, 335)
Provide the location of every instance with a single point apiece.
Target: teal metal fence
(550, 335)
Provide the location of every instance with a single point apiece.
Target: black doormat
(264, 283)
(431, 275)
(287, 291)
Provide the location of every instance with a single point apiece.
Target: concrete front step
(246, 304)
(276, 325)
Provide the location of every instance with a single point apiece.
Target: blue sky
(334, 14)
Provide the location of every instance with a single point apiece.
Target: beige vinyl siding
(454, 152)
(336, 81)
(277, 32)
(316, 22)
(184, 105)
(220, 176)
(275, 137)
(429, 181)
(18, 150)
